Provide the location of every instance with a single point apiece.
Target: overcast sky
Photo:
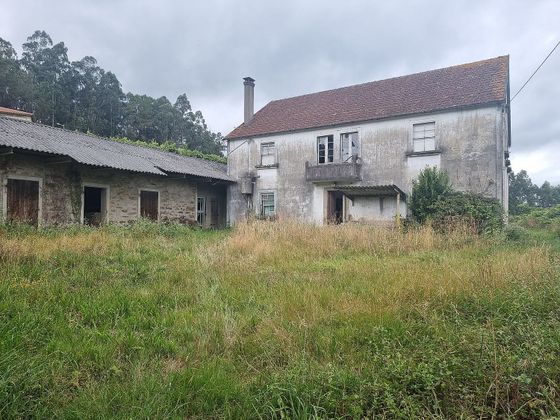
(292, 47)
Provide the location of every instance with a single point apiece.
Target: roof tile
(468, 84)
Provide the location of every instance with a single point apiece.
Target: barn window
(95, 205)
(149, 204)
(23, 201)
(325, 149)
(423, 137)
(268, 154)
(201, 210)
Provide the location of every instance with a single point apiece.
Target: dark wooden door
(214, 212)
(23, 201)
(149, 205)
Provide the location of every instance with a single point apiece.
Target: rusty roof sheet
(481, 82)
(11, 111)
(97, 151)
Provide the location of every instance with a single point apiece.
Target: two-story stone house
(351, 154)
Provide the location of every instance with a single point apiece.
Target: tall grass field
(278, 320)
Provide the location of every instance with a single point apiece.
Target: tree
(431, 185)
(47, 64)
(82, 96)
(14, 83)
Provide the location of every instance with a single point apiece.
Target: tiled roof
(481, 82)
(4, 110)
(97, 151)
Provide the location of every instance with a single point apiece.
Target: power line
(535, 72)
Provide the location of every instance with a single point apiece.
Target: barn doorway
(149, 205)
(335, 207)
(22, 201)
(95, 205)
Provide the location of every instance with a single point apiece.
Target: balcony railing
(334, 172)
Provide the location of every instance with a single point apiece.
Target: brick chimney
(249, 105)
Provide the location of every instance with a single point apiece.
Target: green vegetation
(524, 195)
(172, 147)
(278, 319)
(433, 199)
(82, 96)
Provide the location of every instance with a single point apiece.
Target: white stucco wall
(472, 144)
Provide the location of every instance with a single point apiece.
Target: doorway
(22, 201)
(335, 207)
(95, 206)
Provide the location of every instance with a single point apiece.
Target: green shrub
(516, 233)
(431, 185)
(433, 199)
(485, 214)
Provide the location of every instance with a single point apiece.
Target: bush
(431, 185)
(516, 233)
(485, 214)
(433, 199)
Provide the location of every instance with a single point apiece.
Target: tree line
(524, 195)
(80, 95)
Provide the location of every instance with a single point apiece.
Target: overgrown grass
(277, 320)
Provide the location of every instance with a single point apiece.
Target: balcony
(334, 172)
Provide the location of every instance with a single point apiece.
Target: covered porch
(384, 204)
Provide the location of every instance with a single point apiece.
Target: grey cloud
(294, 47)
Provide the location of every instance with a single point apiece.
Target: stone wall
(62, 185)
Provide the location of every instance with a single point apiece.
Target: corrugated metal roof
(373, 190)
(97, 151)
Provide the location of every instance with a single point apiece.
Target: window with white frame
(268, 154)
(268, 204)
(325, 149)
(348, 146)
(423, 137)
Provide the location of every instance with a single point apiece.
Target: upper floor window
(325, 149)
(268, 204)
(349, 146)
(423, 137)
(268, 154)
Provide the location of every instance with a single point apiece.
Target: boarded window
(149, 205)
(268, 154)
(23, 201)
(325, 149)
(348, 146)
(423, 137)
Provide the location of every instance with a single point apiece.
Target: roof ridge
(103, 138)
(387, 78)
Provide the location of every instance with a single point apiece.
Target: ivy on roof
(169, 146)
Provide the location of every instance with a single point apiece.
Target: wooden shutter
(23, 201)
(149, 205)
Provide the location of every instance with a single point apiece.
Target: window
(268, 204)
(268, 154)
(423, 137)
(348, 146)
(149, 205)
(201, 210)
(325, 149)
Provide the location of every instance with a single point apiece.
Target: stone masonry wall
(62, 185)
